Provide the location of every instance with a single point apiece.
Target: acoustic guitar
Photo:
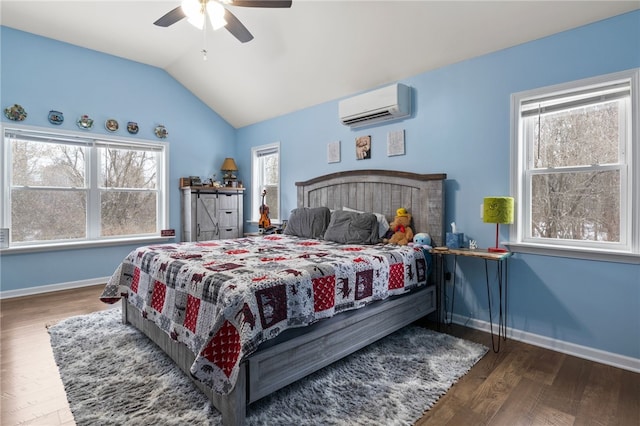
(264, 221)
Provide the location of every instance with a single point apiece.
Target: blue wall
(460, 126)
(43, 74)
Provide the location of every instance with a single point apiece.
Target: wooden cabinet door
(207, 217)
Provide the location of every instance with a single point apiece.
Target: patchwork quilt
(223, 298)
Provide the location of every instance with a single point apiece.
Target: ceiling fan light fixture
(195, 13)
(215, 11)
(191, 8)
(197, 21)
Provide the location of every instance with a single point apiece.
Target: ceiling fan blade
(170, 18)
(261, 3)
(235, 27)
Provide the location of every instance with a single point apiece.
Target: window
(265, 175)
(574, 168)
(62, 188)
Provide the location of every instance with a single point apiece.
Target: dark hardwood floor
(520, 385)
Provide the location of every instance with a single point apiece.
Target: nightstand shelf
(501, 260)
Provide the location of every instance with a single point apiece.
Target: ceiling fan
(197, 10)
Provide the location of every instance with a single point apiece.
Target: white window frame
(257, 181)
(92, 142)
(628, 249)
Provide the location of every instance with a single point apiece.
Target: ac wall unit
(384, 104)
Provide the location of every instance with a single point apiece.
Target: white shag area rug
(114, 375)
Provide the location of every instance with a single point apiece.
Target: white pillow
(383, 224)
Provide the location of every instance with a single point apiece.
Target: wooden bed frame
(329, 340)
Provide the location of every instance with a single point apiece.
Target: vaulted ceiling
(310, 53)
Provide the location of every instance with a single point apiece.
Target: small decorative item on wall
(85, 122)
(132, 127)
(161, 132)
(395, 143)
(363, 147)
(15, 113)
(111, 125)
(333, 152)
(55, 117)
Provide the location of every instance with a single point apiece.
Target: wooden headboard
(382, 191)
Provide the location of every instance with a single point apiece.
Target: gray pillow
(308, 222)
(352, 228)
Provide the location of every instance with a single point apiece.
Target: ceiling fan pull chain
(204, 41)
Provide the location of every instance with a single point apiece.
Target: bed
(248, 316)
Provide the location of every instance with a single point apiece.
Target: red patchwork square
(223, 350)
(324, 293)
(396, 276)
(136, 280)
(191, 314)
(157, 298)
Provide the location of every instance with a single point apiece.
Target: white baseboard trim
(585, 352)
(52, 287)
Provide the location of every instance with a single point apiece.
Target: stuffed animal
(422, 239)
(402, 232)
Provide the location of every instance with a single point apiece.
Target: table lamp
(228, 168)
(497, 210)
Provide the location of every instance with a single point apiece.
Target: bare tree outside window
(48, 196)
(265, 175)
(128, 198)
(574, 154)
(54, 195)
(271, 183)
(571, 200)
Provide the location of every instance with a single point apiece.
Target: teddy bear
(402, 232)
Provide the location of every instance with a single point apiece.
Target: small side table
(501, 260)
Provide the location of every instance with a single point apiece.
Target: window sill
(275, 222)
(574, 253)
(82, 244)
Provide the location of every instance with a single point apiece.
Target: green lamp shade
(497, 210)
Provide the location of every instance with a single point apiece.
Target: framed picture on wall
(363, 147)
(395, 143)
(333, 152)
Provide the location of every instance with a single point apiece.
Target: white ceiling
(314, 52)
